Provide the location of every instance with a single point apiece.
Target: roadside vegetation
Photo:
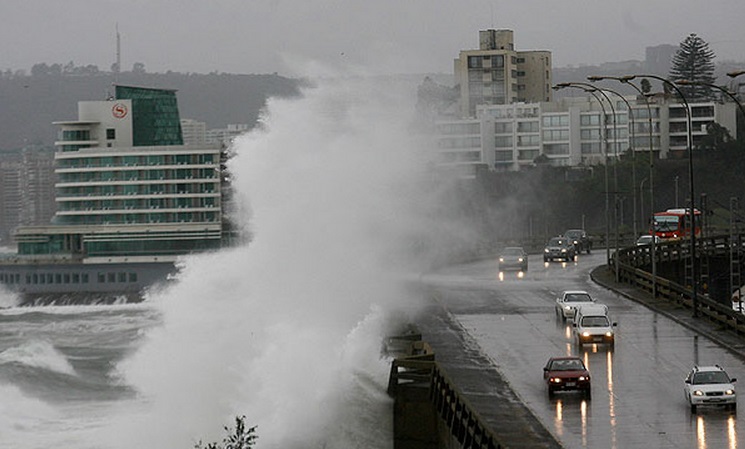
(241, 437)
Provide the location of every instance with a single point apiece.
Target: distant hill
(29, 104)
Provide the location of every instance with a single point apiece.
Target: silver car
(567, 303)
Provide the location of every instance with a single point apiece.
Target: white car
(647, 240)
(593, 325)
(710, 385)
(567, 303)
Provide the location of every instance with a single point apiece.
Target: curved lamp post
(694, 263)
(592, 91)
(627, 80)
(720, 88)
(590, 88)
(633, 152)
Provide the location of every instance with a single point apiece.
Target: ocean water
(286, 330)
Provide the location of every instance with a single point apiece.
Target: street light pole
(627, 80)
(641, 198)
(692, 215)
(719, 88)
(591, 88)
(592, 91)
(633, 154)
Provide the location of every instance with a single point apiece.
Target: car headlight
(501, 259)
(730, 392)
(520, 259)
(583, 378)
(585, 334)
(609, 334)
(556, 380)
(545, 250)
(567, 307)
(563, 250)
(698, 393)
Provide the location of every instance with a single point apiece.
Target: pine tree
(694, 62)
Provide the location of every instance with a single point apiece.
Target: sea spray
(285, 330)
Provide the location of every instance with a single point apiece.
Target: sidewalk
(724, 337)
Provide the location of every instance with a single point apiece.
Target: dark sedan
(513, 258)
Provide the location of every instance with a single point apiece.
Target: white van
(593, 325)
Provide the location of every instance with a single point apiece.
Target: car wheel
(545, 259)
(588, 250)
(588, 394)
(733, 408)
(693, 408)
(550, 392)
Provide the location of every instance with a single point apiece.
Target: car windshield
(665, 223)
(595, 321)
(710, 377)
(512, 252)
(573, 234)
(577, 297)
(557, 242)
(567, 365)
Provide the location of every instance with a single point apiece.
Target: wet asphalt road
(637, 387)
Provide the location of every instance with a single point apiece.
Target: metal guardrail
(631, 259)
(419, 369)
(464, 423)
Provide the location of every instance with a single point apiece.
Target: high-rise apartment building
(496, 73)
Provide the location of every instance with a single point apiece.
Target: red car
(566, 373)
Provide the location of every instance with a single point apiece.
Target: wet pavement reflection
(637, 386)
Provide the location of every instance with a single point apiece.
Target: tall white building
(496, 73)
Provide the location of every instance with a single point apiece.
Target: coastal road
(637, 387)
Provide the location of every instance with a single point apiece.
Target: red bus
(674, 223)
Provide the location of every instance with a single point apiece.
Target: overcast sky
(300, 37)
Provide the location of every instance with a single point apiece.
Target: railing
(631, 259)
(420, 370)
(465, 424)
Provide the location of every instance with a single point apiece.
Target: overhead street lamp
(735, 73)
(592, 90)
(589, 87)
(692, 223)
(720, 88)
(627, 80)
(633, 153)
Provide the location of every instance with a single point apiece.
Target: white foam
(38, 354)
(287, 330)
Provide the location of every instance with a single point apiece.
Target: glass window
(589, 119)
(503, 127)
(527, 127)
(528, 141)
(591, 148)
(555, 134)
(589, 134)
(503, 156)
(556, 149)
(503, 142)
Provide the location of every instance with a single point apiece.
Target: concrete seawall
(448, 395)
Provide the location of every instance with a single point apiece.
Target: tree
(694, 62)
(138, 67)
(646, 86)
(240, 438)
